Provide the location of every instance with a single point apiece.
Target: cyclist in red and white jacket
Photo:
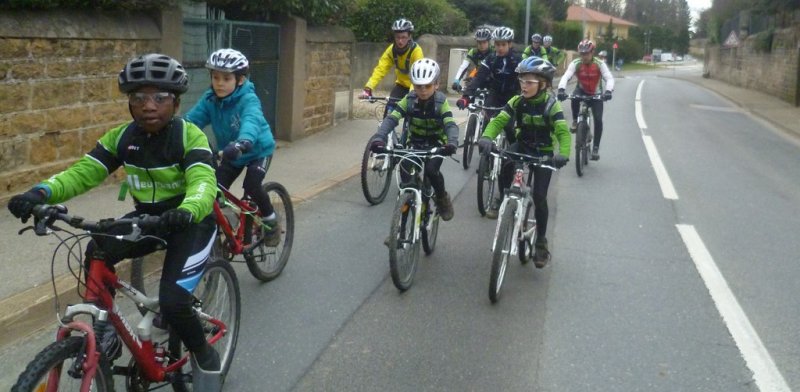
(593, 77)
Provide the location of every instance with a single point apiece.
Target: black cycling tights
(541, 182)
(227, 173)
(597, 114)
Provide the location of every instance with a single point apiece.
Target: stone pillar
(170, 22)
(291, 78)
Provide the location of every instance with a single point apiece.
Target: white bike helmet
(548, 39)
(228, 60)
(536, 38)
(483, 34)
(503, 34)
(424, 71)
(402, 25)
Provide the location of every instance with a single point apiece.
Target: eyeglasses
(140, 99)
(423, 86)
(528, 83)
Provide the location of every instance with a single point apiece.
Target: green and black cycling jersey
(169, 169)
(427, 121)
(539, 122)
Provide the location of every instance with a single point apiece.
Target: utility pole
(527, 20)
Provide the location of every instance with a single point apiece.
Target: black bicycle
(376, 171)
(584, 134)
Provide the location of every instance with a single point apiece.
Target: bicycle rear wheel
(52, 364)
(525, 246)
(469, 141)
(502, 248)
(375, 176)
(430, 229)
(217, 295)
(580, 147)
(266, 262)
(403, 249)
(485, 183)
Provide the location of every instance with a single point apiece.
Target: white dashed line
(658, 166)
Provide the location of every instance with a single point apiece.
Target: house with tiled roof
(595, 23)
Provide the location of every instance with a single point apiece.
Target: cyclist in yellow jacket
(400, 54)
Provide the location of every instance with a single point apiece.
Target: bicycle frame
(242, 208)
(98, 299)
(417, 159)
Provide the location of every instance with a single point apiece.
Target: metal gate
(258, 41)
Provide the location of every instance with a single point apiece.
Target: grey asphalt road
(621, 308)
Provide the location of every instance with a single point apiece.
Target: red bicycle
(76, 362)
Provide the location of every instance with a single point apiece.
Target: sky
(698, 5)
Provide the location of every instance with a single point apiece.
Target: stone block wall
(58, 88)
(328, 54)
(774, 72)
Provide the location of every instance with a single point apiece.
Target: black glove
(244, 145)
(456, 86)
(562, 95)
(176, 219)
(232, 152)
(22, 205)
(378, 144)
(559, 161)
(449, 149)
(485, 145)
(462, 102)
(607, 95)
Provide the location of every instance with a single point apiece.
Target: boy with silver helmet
(539, 122)
(474, 56)
(429, 123)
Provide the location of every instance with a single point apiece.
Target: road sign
(732, 40)
(616, 46)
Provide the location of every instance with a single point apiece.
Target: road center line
(658, 166)
(765, 373)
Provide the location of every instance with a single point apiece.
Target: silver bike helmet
(402, 25)
(503, 34)
(536, 38)
(483, 34)
(424, 71)
(228, 60)
(153, 69)
(547, 40)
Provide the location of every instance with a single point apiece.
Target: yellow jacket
(402, 65)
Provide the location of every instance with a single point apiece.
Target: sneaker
(445, 206)
(542, 254)
(595, 153)
(208, 358)
(573, 127)
(109, 340)
(272, 232)
(493, 210)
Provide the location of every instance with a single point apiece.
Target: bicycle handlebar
(46, 215)
(586, 98)
(373, 99)
(541, 161)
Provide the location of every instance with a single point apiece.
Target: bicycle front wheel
(502, 249)
(430, 229)
(580, 147)
(49, 369)
(375, 176)
(469, 141)
(485, 183)
(267, 262)
(217, 296)
(403, 248)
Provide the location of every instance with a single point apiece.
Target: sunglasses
(159, 98)
(528, 83)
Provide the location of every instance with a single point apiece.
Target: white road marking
(655, 159)
(765, 373)
(716, 108)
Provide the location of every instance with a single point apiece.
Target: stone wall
(328, 56)
(774, 72)
(58, 87)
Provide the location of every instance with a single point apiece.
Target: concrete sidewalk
(305, 167)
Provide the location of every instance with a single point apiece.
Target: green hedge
(87, 4)
(372, 20)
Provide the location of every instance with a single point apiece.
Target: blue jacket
(234, 118)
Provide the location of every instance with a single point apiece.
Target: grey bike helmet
(424, 71)
(483, 34)
(228, 60)
(153, 69)
(547, 39)
(503, 34)
(537, 66)
(402, 25)
(536, 38)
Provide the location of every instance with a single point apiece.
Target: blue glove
(22, 205)
(176, 219)
(232, 152)
(485, 145)
(449, 149)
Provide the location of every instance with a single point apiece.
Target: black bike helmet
(153, 69)
(537, 66)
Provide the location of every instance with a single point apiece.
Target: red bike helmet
(586, 46)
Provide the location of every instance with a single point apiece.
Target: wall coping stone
(329, 34)
(78, 25)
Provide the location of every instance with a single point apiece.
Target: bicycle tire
(208, 290)
(469, 141)
(485, 183)
(525, 249)
(502, 247)
(580, 148)
(403, 253)
(374, 182)
(53, 358)
(264, 262)
(429, 237)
